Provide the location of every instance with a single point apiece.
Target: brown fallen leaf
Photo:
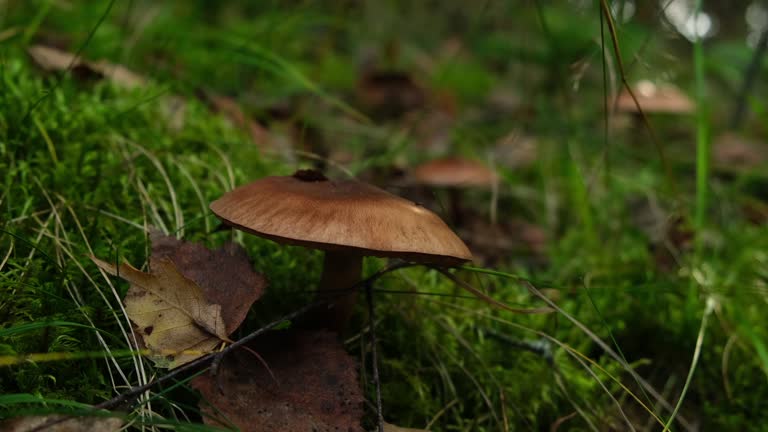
(75, 424)
(55, 60)
(224, 275)
(190, 302)
(175, 321)
(315, 386)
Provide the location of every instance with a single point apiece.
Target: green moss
(85, 165)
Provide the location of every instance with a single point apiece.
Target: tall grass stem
(702, 137)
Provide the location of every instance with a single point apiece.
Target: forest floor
(646, 243)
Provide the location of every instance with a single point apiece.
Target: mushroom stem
(341, 271)
(456, 207)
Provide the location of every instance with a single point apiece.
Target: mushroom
(454, 174)
(654, 98)
(347, 219)
(733, 152)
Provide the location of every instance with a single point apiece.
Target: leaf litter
(58, 424)
(388, 427)
(311, 385)
(190, 301)
(56, 60)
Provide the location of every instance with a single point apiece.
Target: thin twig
(488, 299)
(620, 63)
(374, 355)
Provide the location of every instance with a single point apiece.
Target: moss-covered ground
(649, 296)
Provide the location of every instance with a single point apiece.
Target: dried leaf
(392, 428)
(52, 59)
(315, 386)
(75, 424)
(176, 322)
(118, 74)
(192, 299)
(56, 60)
(225, 275)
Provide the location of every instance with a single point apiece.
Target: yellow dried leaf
(392, 428)
(118, 74)
(53, 60)
(76, 424)
(176, 322)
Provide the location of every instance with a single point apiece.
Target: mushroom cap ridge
(343, 215)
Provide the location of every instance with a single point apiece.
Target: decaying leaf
(224, 275)
(315, 386)
(175, 321)
(392, 428)
(118, 74)
(75, 424)
(192, 299)
(56, 60)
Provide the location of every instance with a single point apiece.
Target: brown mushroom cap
(448, 172)
(345, 215)
(731, 150)
(655, 99)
